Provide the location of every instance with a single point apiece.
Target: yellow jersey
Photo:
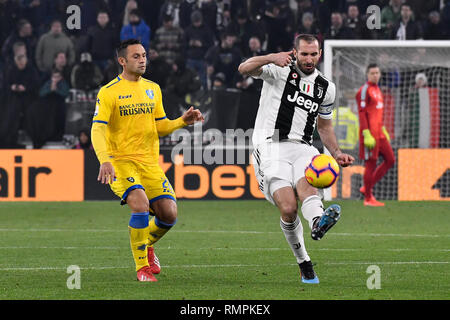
(130, 110)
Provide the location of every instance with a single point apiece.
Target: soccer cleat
(372, 202)
(307, 272)
(328, 219)
(153, 260)
(146, 275)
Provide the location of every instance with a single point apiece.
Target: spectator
(183, 80)
(129, 6)
(136, 29)
(86, 75)
(224, 17)
(208, 9)
(219, 81)
(255, 47)
(279, 34)
(60, 64)
(308, 26)
(19, 48)
(102, 40)
(406, 28)
(8, 14)
(187, 7)
(337, 29)
(84, 140)
(390, 15)
(53, 94)
(40, 13)
(224, 58)
(244, 29)
(50, 44)
(21, 80)
(198, 39)
(168, 40)
(248, 83)
(422, 8)
(434, 30)
(354, 22)
(157, 69)
(23, 33)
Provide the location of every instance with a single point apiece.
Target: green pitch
(224, 250)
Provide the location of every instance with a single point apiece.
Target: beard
(306, 68)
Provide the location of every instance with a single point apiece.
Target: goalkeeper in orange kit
(373, 136)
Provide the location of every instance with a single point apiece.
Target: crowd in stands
(191, 45)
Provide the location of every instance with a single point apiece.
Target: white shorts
(281, 164)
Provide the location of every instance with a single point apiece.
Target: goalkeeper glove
(369, 140)
(386, 134)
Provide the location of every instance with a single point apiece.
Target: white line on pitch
(224, 265)
(221, 248)
(230, 232)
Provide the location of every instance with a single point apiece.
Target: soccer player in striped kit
(294, 97)
(373, 136)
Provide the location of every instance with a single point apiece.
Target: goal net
(415, 83)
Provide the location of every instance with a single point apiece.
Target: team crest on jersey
(150, 93)
(131, 179)
(319, 92)
(306, 88)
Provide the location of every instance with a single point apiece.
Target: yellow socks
(138, 229)
(157, 229)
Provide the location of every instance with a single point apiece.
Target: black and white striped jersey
(290, 103)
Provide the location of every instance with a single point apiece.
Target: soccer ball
(322, 172)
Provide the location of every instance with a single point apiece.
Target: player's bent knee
(288, 211)
(137, 201)
(166, 210)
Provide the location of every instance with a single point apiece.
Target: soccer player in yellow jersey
(128, 120)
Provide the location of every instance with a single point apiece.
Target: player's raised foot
(372, 202)
(307, 272)
(153, 260)
(362, 190)
(324, 223)
(145, 274)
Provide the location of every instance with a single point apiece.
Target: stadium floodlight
(415, 84)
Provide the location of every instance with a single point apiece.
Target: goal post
(415, 84)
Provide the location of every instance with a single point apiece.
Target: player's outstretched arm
(328, 137)
(253, 66)
(166, 126)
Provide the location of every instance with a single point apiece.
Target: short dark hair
(121, 50)
(371, 66)
(306, 37)
(102, 11)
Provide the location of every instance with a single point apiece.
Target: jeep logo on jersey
(303, 102)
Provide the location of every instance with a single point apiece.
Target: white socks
(293, 231)
(312, 207)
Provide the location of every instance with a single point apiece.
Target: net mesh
(415, 86)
